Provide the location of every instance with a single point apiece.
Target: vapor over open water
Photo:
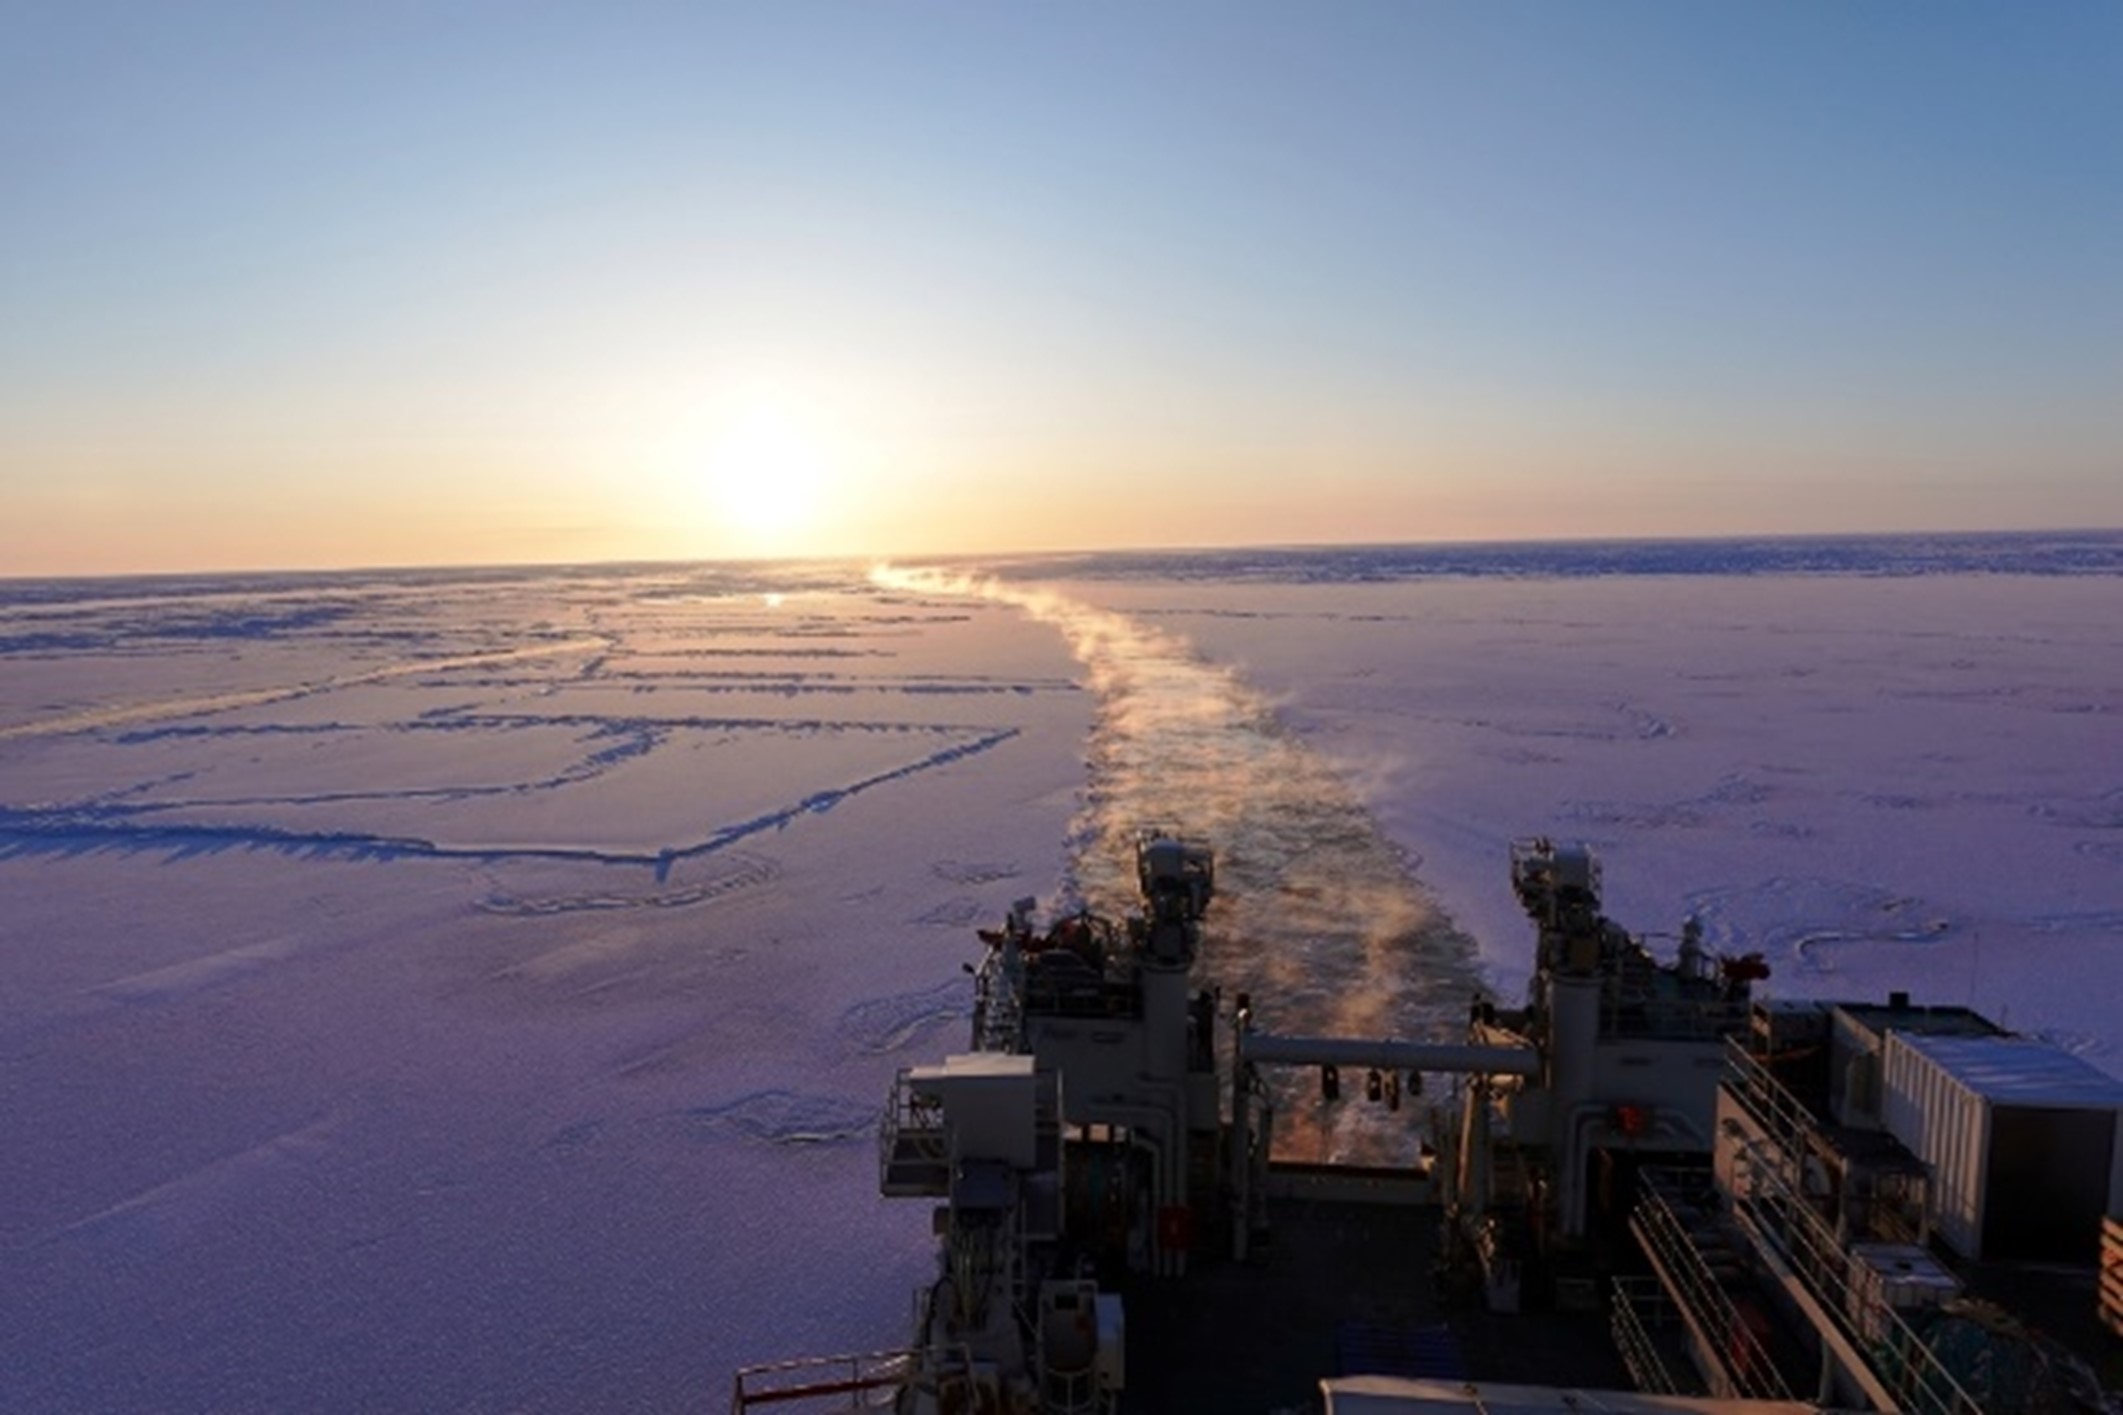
(1317, 915)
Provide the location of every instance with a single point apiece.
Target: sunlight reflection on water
(1315, 916)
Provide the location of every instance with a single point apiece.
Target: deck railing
(913, 1145)
(843, 1383)
(1671, 1018)
(1740, 1365)
(1777, 1216)
(1640, 1314)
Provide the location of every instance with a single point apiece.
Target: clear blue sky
(294, 284)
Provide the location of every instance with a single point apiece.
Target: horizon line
(1058, 553)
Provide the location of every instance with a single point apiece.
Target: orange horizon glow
(415, 288)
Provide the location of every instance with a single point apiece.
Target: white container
(2024, 1141)
(990, 1100)
(1900, 1277)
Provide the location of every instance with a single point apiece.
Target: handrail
(1634, 1299)
(827, 1377)
(912, 1127)
(1730, 1343)
(1671, 1018)
(1776, 1213)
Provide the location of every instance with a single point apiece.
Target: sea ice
(475, 990)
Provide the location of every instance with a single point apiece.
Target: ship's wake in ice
(1316, 917)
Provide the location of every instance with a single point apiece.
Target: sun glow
(767, 479)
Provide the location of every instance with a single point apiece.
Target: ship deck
(1342, 1287)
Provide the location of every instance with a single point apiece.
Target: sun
(768, 476)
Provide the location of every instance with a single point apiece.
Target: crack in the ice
(77, 831)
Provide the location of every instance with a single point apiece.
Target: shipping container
(2024, 1141)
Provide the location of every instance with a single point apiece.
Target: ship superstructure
(1643, 1175)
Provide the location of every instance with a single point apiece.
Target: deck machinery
(1634, 1144)
(1629, 1053)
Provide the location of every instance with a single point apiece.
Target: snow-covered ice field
(475, 990)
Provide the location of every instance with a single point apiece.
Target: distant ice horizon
(2041, 551)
